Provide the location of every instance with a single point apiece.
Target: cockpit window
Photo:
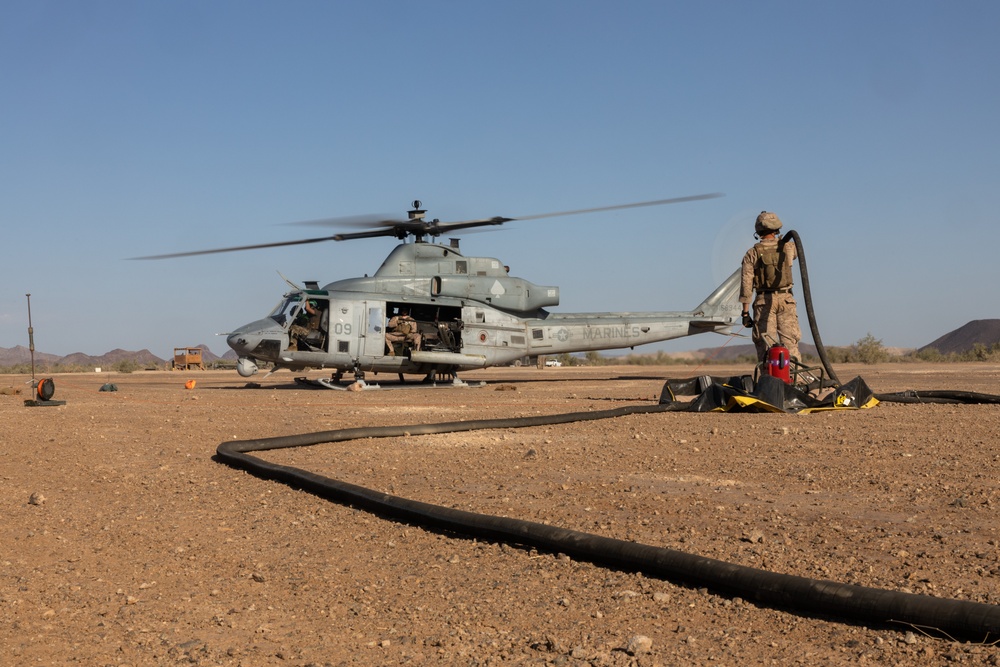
(284, 313)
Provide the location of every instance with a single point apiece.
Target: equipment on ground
(44, 388)
(460, 312)
(43, 391)
(766, 393)
(187, 358)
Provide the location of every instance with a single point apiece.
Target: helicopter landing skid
(325, 383)
(361, 385)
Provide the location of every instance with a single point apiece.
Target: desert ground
(125, 543)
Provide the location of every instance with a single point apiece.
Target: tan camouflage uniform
(305, 323)
(402, 329)
(775, 317)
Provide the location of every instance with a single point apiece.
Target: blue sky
(140, 128)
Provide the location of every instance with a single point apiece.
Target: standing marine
(767, 270)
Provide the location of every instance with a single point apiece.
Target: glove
(747, 321)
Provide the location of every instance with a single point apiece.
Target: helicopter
(431, 310)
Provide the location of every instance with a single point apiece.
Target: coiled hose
(956, 618)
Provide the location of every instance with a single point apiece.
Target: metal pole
(31, 338)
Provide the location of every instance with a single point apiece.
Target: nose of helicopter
(242, 342)
(261, 339)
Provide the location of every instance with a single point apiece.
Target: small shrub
(869, 350)
(929, 354)
(126, 366)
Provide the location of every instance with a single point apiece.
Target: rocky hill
(11, 356)
(22, 355)
(962, 339)
(143, 357)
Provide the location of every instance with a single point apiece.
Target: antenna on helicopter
(415, 214)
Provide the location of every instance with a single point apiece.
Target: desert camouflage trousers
(776, 321)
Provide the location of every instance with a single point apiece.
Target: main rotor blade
(388, 231)
(658, 202)
(416, 227)
(438, 228)
(236, 248)
(369, 220)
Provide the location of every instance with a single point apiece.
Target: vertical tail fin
(721, 306)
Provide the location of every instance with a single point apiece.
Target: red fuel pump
(778, 364)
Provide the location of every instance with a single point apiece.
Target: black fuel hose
(956, 618)
(807, 298)
(939, 396)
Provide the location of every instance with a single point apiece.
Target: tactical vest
(769, 273)
(404, 327)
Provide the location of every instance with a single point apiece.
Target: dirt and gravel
(125, 543)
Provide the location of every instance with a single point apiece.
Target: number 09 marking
(342, 329)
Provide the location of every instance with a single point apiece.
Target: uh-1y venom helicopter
(466, 312)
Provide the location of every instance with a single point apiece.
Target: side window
(376, 323)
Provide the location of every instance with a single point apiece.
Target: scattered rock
(639, 645)
(549, 644)
(36, 499)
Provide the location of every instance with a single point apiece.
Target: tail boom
(583, 332)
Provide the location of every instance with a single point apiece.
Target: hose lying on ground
(955, 618)
(939, 396)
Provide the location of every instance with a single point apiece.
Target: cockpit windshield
(284, 313)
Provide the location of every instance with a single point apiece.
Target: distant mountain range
(963, 339)
(13, 356)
